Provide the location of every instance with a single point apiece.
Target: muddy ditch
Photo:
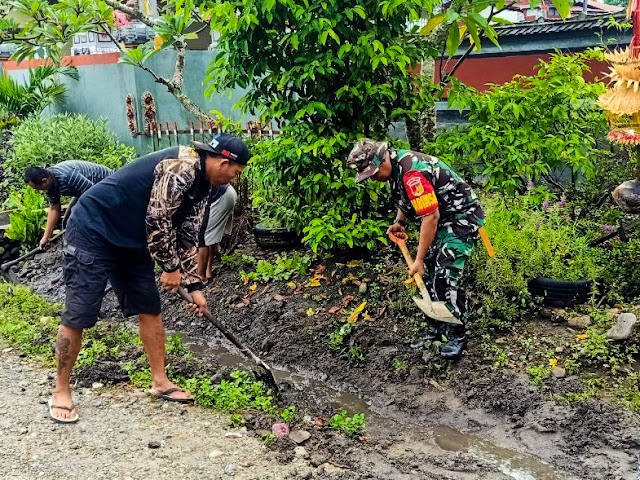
(426, 418)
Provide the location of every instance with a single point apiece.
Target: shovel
(435, 310)
(30, 254)
(265, 370)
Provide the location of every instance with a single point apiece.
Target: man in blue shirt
(66, 179)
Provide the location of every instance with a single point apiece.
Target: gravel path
(122, 434)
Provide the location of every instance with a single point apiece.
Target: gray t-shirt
(74, 177)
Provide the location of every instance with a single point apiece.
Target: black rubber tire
(275, 237)
(561, 293)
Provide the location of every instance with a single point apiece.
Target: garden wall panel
(104, 84)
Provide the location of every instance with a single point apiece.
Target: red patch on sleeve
(421, 193)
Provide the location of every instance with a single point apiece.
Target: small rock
(280, 430)
(216, 453)
(234, 434)
(97, 385)
(612, 312)
(559, 349)
(231, 470)
(300, 452)
(580, 322)
(622, 329)
(559, 314)
(299, 436)
(362, 288)
(7, 350)
(154, 444)
(558, 372)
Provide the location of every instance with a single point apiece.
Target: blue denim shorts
(89, 263)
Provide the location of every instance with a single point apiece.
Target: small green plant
(175, 345)
(337, 337)
(399, 365)
(283, 268)
(500, 360)
(267, 439)
(288, 413)
(537, 374)
(356, 355)
(29, 217)
(236, 260)
(236, 420)
(239, 393)
(351, 426)
(138, 375)
(91, 351)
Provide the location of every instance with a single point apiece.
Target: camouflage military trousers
(443, 269)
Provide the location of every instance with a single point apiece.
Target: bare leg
(203, 262)
(67, 347)
(152, 336)
(212, 250)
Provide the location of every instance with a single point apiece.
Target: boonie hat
(228, 146)
(366, 157)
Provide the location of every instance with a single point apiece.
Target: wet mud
(428, 419)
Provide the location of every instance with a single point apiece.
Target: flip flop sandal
(62, 420)
(166, 395)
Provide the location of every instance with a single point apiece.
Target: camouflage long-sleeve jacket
(175, 214)
(421, 184)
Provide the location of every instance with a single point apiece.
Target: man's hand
(171, 280)
(398, 230)
(44, 242)
(417, 267)
(199, 304)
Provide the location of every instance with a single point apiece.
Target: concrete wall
(102, 88)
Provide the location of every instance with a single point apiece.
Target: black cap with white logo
(228, 146)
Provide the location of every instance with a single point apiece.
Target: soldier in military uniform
(431, 193)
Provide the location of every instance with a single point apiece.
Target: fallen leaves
(253, 287)
(279, 298)
(581, 336)
(356, 312)
(553, 362)
(354, 263)
(347, 300)
(311, 312)
(333, 310)
(315, 281)
(291, 285)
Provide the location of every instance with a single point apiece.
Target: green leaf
(432, 23)
(563, 6)
(453, 39)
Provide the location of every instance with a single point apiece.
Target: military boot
(456, 342)
(433, 332)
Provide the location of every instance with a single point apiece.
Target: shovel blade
(436, 310)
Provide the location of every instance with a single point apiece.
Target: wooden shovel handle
(407, 256)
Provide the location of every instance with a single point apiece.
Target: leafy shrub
(524, 129)
(45, 142)
(283, 268)
(529, 242)
(38, 91)
(29, 218)
(348, 425)
(301, 181)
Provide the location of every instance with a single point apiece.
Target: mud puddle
(385, 421)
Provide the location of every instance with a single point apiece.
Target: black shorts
(88, 264)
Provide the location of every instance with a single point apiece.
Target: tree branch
(178, 72)
(132, 12)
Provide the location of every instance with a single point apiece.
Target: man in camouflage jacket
(149, 210)
(429, 192)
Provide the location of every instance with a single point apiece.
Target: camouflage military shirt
(459, 208)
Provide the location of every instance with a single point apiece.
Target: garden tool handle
(487, 243)
(416, 276)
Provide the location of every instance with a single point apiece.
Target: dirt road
(122, 434)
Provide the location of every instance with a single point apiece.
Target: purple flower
(609, 228)
(545, 205)
(530, 185)
(562, 203)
